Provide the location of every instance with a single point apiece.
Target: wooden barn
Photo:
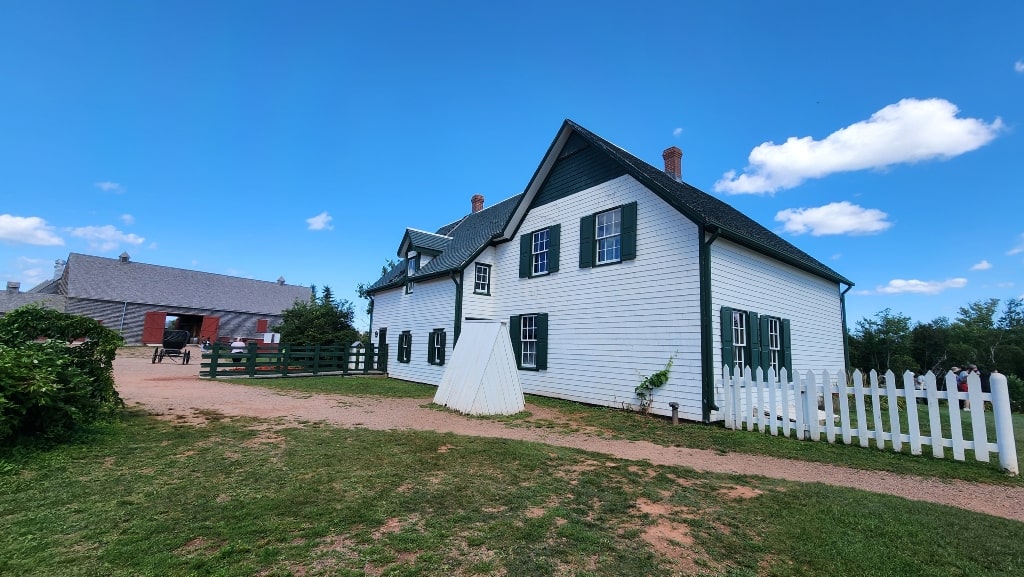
(140, 300)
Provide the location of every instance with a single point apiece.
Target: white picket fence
(810, 407)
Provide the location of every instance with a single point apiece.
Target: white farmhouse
(606, 268)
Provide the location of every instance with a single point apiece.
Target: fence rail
(286, 360)
(872, 412)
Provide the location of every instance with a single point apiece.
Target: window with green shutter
(405, 347)
(608, 237)
(538, 252)
(752, 341)
(435, 347)
(529, 335)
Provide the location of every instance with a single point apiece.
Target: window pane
(483, 279)
(528, 336)
(608, 231)
(540, 252)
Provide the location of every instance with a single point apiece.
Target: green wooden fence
(286, 360)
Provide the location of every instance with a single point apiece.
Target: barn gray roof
(107, 279)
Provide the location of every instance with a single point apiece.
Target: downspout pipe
(369, 331)
(124, 310)
(846, 345)
(706, 323)
(457, 325)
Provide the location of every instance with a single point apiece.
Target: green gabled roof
(467, 237)
(472, 233)
(699, 206)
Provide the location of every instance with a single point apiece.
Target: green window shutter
(726, 336)
(765, 353)
(542, 342)
(587, 241)
(515, 333)
(404, 344)
(753, 342)
(431, 359)
(554, 234)
(787, 351)
(629, 231)
(440, 353)
(525, 255)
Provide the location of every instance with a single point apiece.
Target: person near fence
(237, 347)
(961, 386)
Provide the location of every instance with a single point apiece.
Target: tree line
(983, 333)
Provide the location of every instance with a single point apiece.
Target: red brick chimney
(673, 162)
(478, 202)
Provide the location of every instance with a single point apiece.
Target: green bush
(56, 372)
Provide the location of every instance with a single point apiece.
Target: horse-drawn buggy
(174, 347)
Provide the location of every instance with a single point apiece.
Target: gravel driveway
(175, 391)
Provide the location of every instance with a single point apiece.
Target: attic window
(124, 257)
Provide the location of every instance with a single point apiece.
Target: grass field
(142, 496)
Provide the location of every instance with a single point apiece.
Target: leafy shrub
(56, 372)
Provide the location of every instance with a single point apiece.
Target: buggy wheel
(188, 355)
(160, 359)
(155, 351)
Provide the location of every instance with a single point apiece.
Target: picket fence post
(1004, 423)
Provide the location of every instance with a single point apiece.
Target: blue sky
(266, 139)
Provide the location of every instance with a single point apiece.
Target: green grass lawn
(617, 423)
(244, 497)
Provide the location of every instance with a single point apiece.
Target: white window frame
(528, 338)
(438, 347)
(482, 279)
(739, 340)
(540, 243)
(608, 236)
(775, 343)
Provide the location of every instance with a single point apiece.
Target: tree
(362, 287)
(882, 342)
(975, 329)
(929, 345)
(322, 320)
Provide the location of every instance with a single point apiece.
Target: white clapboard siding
(807, 406)
(430, 306)
(609, 326)
(481, 377)
(745, 280)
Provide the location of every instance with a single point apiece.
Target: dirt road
(175, 391)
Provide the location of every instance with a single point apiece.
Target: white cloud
(837, 256)
(321, 221)
(932, 287)
(128, 219)
(28, 230)
(33, 271)
(107, 186)
(677, 132)
(909, 131)
(983, 265)
(104, 238)
(834, 218)
(1017, 249)
(1019, 66)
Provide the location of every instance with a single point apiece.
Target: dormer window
(412, 264)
